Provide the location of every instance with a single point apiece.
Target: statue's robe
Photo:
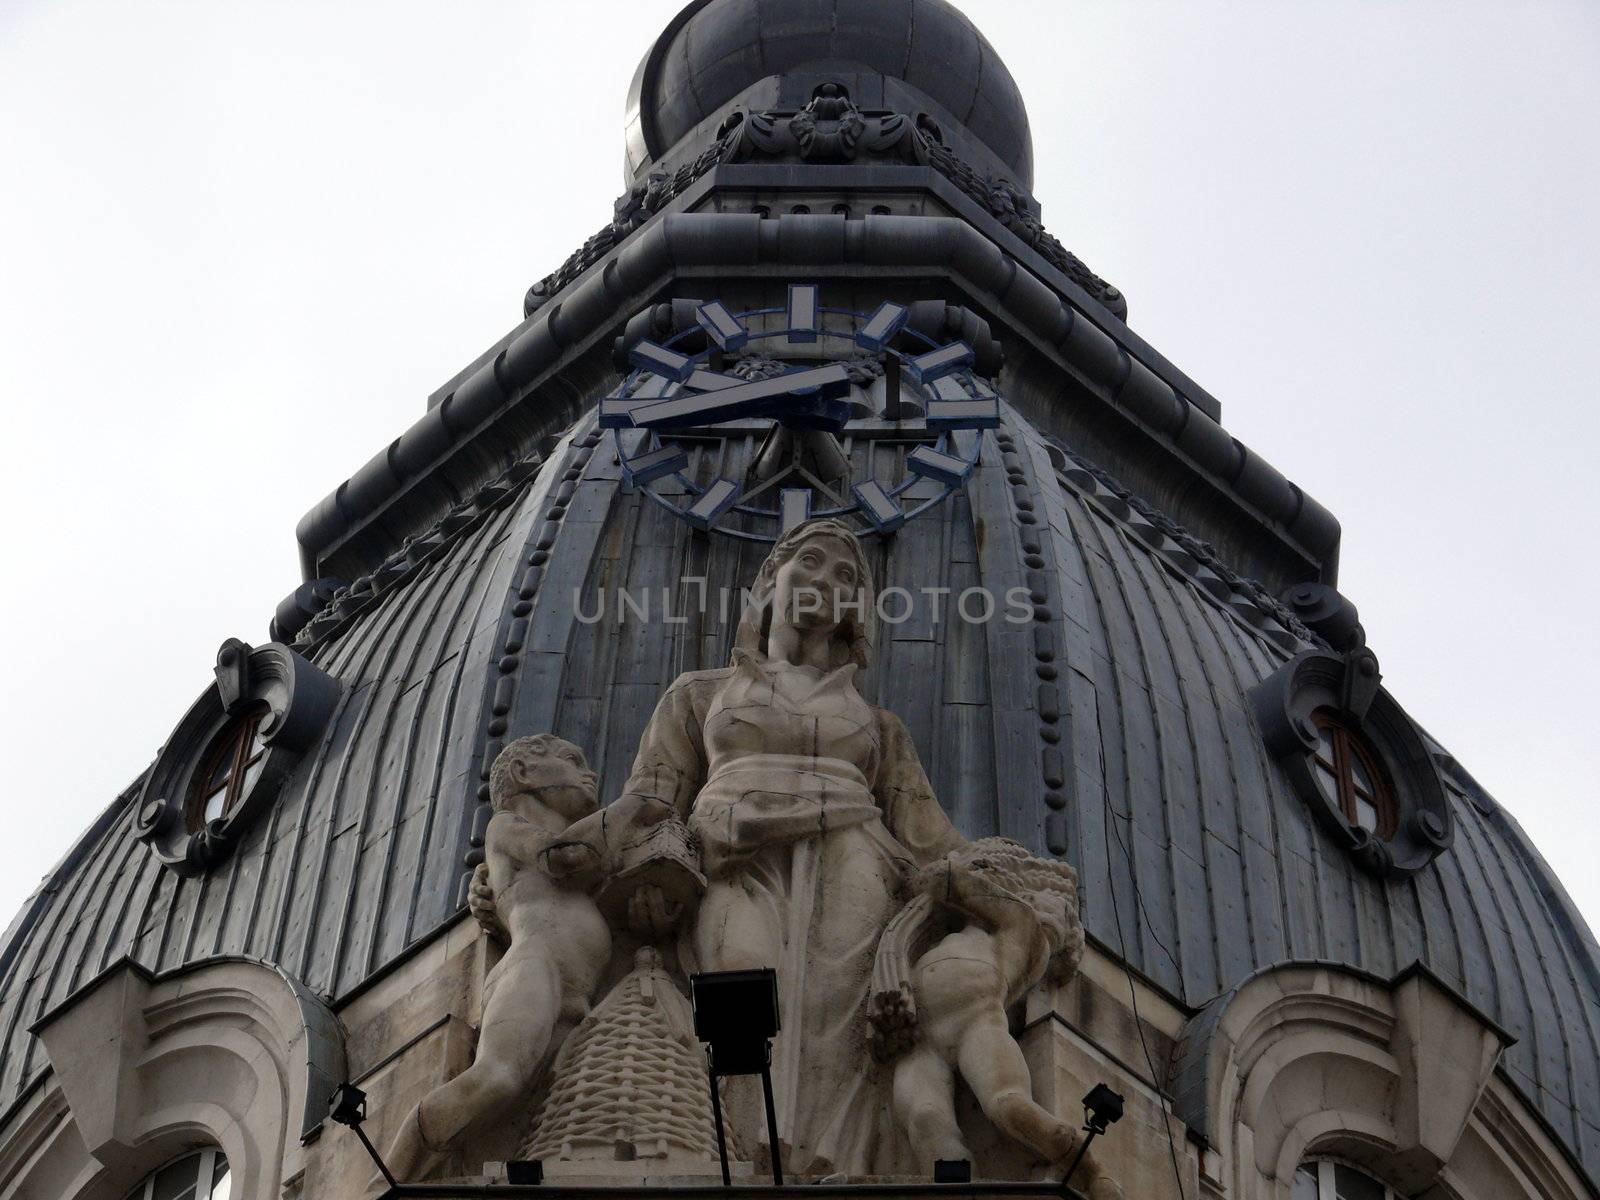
(811, 806)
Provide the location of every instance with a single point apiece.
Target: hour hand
(743, 400)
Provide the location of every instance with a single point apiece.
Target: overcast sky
(241, 243)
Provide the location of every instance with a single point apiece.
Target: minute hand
(744, 400)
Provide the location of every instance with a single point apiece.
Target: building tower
(1092, 707)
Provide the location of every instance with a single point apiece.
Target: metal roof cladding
(1112, 728)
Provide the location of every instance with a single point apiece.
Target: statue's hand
(480, 902)
(633, 810)
(651, 916)
(567, 859)
(891, 1023)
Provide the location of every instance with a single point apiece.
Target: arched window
(202, 1175)
(1325, 1179)
(1351, 775)
(231, 765)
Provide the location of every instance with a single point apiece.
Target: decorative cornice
(1196, 560)
(831, 129)
(517, 391)
(344, 602)
(297, 700)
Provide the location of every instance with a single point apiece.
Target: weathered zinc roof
(1112, 728)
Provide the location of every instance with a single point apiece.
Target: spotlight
(736, 1015)
(348, 1106)
(1102, 1108)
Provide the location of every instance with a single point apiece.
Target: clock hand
(747, 399)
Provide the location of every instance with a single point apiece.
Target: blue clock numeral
(881, 327)
(721, 326)
(647, 468)
(925, 368)
(879, 506)
(803, 312)
(936, 465)
(794, 505)
(713, 502)
(650, 357)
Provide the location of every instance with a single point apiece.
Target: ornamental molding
(298, 699)
(1348, 685)
(831, 129)
(1398, 1075)
(230, 1051)
(485, 413)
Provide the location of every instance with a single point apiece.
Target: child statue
(545, 855)
(944, 1011)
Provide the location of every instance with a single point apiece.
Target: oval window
(1351, 775)
(229, 767)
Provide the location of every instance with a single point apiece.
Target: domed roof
(715, 49)
(1113, 731)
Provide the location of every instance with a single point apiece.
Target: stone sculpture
(942, 1013)
(811, 806)
(773, 818)
(631, 1081)
(544, 850)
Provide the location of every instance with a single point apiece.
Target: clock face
(748, 423)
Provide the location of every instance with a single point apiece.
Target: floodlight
(736, 1015)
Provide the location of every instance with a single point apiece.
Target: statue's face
(561, 780)
(809, 588)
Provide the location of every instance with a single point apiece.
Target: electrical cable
(1133, 992)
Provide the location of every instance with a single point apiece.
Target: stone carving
(831, 129)
(631, 1079)
(941, 1013)
(772, 818)
(827, 129)
(544, 853)
(632, 210)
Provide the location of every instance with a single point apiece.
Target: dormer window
(226, 761)
(1356, 760)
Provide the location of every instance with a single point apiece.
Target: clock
(746, 423)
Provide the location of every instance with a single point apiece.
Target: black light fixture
(348, 1106)
(736, 1015)
(525, 1171)
(1102, 1108)
(952, 1170)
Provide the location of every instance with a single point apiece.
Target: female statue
(811, 807)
